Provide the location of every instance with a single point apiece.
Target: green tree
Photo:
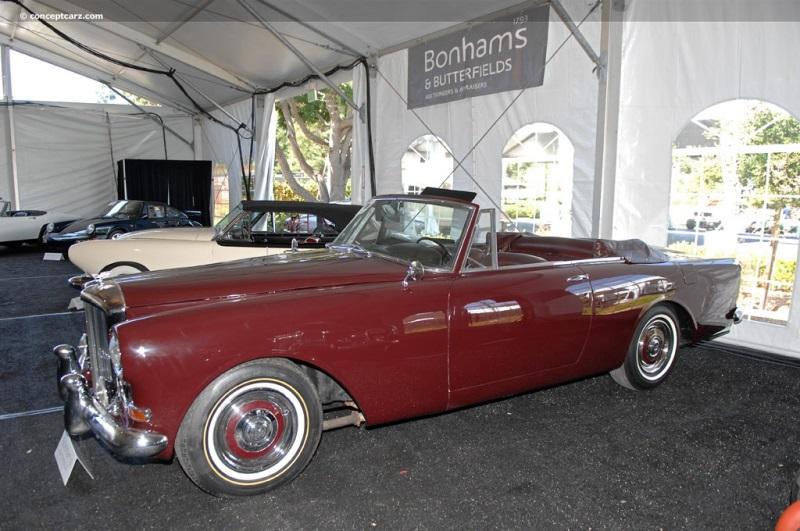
(315, 137)
(765, 127)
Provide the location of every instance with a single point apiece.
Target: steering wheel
(445, 252)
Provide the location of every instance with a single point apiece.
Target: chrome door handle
(578, 278)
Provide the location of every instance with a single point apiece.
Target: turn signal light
(139, 414)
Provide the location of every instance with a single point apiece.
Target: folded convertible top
(633, 251)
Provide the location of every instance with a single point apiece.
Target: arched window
(537, 180)
(736, 191)
(427, 162)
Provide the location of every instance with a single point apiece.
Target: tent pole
(562, 13)
(214, 103)
(150, 114)
(608, 107)
(12, 135)
(278, 35)
(111, 149)
(348, 50)
(196, 133)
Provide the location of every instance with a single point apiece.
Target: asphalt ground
(716, 447)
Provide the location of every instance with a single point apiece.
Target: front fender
(391, 366)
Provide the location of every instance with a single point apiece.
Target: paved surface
(715, 447)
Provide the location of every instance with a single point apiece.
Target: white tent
(663, 62)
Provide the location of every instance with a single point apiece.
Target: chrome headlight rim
(90, 229)
(114, 352)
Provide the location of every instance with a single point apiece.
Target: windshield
(228, 219)
(429, 232)
(122, 209)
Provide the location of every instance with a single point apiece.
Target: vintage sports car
(238, 368)
(21, 226)
(120, 217)
(254, 228)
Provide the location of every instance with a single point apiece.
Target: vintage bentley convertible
(419, 306)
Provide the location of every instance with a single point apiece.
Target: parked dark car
(120, 217)
(237, 368)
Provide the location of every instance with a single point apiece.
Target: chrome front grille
(97, 343)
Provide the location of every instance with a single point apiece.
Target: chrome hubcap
(255, 431)
(656, 347)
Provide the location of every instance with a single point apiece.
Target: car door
(509, 322)
(17, 227)
(175, 218)
(156, 216)
(512, 322)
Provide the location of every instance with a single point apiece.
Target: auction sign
(488, 57)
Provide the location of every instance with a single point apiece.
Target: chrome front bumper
(83, 413)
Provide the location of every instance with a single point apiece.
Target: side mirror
(414, 272)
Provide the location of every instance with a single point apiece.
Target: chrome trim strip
(537, 265)
(105, 295)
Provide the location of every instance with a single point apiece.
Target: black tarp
(184, 184)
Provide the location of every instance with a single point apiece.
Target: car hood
(182, 233)
(256, 276)
(81, 224)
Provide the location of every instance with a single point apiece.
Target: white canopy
(220, 48)
(664, 61)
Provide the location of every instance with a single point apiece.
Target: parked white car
(254, 228)
(21, 226)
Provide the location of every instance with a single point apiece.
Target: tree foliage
(757, 175)
(315, 139)
(765, 127)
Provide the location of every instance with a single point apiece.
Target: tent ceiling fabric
(217, 46)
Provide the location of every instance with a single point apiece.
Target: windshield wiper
(349, 247)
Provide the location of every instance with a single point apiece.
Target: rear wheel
(255, 427)
(651, 352)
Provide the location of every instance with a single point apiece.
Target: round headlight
(50, 227)
(90, 229)
(114, 353)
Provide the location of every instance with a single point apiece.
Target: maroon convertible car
(419, 306)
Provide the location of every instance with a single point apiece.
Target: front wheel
(253, 428)
(651, 352)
